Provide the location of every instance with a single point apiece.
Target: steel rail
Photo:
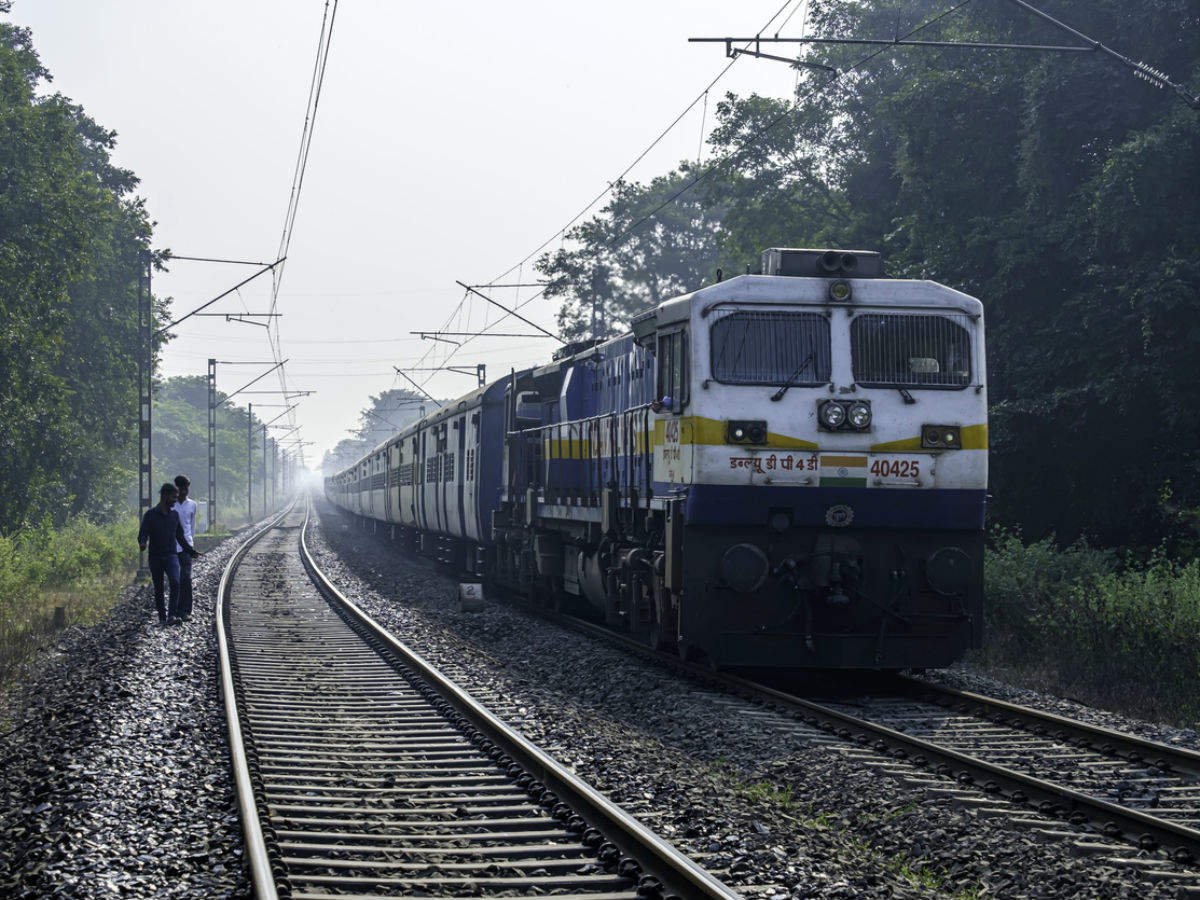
(1094, 737)
(1115, 821)
(256, 847)
(679, 875)
(1182, 842)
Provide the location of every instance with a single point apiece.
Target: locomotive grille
(770, 347)
(916, 350)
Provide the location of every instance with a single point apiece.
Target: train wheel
(688, 651)
(658, 638)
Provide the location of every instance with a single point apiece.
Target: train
(782, 470)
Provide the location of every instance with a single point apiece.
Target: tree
(181, 444)
(1058, 189)
(70, 234)
(387, 413)
(632, 256)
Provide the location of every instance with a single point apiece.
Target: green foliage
(180, 445)
(80, 566)
(621, 266)
(1124, 634)
(387, 413)
(1059, 189)
(70, 234)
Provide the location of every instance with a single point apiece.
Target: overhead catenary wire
(729, 159)
(316, 83)
(701, 96)
(1140, 69)
(610, 186)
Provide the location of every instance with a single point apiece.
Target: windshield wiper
(783, 389)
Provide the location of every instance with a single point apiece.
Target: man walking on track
(160, 530)
(186, 507)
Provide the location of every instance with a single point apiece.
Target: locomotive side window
(912, 351)
(771, 348)
(672, 370)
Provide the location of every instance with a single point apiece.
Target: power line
(511, 312)
(642, 155)
(1140, 69)
(269, 267)
(721, 164)
(316, 82)
(701, 96)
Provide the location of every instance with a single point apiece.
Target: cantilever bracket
(733, 52)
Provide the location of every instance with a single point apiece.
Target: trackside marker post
(470, 597)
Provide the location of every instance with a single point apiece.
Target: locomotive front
(820, 451)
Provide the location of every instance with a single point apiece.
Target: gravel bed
(114, 767)
(965, 679)
(768, 811)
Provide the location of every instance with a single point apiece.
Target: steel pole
(249, 463)
(212, 445)
(263, 481)
(145, 391)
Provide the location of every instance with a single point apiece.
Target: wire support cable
(731, 159)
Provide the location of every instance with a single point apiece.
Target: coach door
(460, 481)
(471, 475)
(421, 477)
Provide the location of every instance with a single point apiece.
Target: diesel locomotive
(785, 469)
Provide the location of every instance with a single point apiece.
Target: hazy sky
(452, 139)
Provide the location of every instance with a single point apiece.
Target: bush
(44, 567)
(1127, 634)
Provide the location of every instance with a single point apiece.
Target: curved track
(363, 772)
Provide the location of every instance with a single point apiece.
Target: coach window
(672, 388)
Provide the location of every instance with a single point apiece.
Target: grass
(1090, 624)
(754, 791)
(782, 797)
(81, 568)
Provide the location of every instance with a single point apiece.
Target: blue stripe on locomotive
(734, 504)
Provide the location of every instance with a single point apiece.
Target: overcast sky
(451, 140)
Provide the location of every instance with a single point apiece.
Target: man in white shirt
(186, 507)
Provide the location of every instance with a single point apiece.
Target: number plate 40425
(897, 468)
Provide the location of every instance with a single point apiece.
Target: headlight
(859, 415)
(832, 414)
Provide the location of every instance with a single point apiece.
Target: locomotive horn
(831, 261)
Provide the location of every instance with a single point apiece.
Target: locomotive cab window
(910, 351)
(771, 347)
(672, 387)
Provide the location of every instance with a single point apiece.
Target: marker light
(941, 437)
(839, 291)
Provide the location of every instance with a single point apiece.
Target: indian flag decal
(843, 471)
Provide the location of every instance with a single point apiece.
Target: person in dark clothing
(160, 531)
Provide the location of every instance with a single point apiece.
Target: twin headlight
(834, 415)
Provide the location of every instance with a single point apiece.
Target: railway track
(363, 772)
(1127, 800)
